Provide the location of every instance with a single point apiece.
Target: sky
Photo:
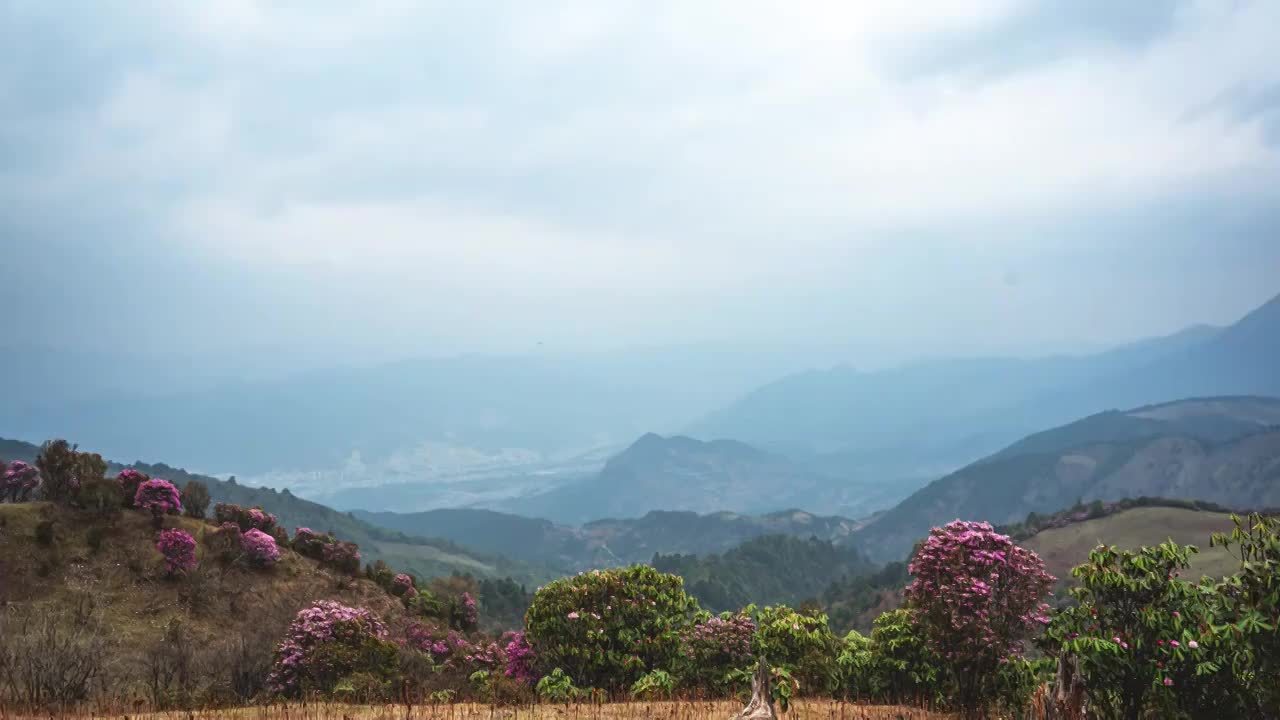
(392, 178)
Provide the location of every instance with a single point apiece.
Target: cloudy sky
(436, 177)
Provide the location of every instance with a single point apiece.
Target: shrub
(977, 597)
(904, 668)
(64, 470)
(225, 543)
(714, 648)
(179, 551)
(655, 684)
(129, 480)
(328, 642)
(101, 495)
(195, 499)
(607, 628)
(341, 556)
(557, 687)
(520, 659)
(402, 587)
(18, 482)
(802, 645)
(259, 548)
(159, 497)
(309, 543)
(245, 518)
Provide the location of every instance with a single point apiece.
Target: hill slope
(425, 557)
(606, 543)
(1221, 450)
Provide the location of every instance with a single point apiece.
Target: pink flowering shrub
(259, 547)
(328, 642)
(179, 551)
(246, 518)
(309, 543)
(715, 647)
(18, 481)
(402, 586)
(464, 614)
(341, 556)
(977, 598)
(159, 497)
(521, 663)
(129, 480)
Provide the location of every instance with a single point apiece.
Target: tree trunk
(761, 705)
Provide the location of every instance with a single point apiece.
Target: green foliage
(195, 499)
(65, 470)
(802, 645)
(607, 628)
(1248, 615)
(101, 495)
(1142, 634)
(904, 668)
(764, 570)
(557, 687)
(656, 684)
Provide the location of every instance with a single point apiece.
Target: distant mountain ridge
(608, 542)
(1224, 450)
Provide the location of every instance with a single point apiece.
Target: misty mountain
(609, 542)
(681, 473)
(1224, 450)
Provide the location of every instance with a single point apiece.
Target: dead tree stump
(761, 705)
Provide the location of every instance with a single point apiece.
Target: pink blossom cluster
(159, 497)
(720, 640)
(977, 593)
(343, 556)
(402, 586)
(18, 481)
(179, 551)
(520, 658)
(259, 547)
(323, 623)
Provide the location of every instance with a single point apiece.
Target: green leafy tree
(607, 628)
(801, 644)
(1248, 619)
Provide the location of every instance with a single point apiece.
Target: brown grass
(686, 710)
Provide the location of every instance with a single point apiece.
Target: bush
(101, 495)
(402, 587)
(1248, 615)
(309, 543)
(653, 685)
(245, 518)
(607, 628)
(328, 642)
(225, 542)
(520, 659)
(129, 480)
(557, 687)
(714, 648)
(18, 482)
(179, 551)
(64, 470)
(158, 497)
(341, 556)
(977, 598)
(802, 645)
(195, 499)
(259, 548)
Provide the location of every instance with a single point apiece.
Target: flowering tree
(179, 551)
(259, 547)
(246, 518)
(521, 661)
(129, 480)
(607, 628)
(978, 598)
(159, 497)
(715, 647)
(328, 642)
(18, 482)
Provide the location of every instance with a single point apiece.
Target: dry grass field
(802, 710)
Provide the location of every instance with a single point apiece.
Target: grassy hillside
(423, 556)
(106, 575)
(1065, 547)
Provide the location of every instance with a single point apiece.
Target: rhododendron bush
(977, 598)
(341, 556)
(245, 518)
(801, 644)
(328, 642)
(129, 480)
(715, 647)
(18, 481)
(179, 551)
(259, 547)
(607, 628)
(402, 586)
(159, 497)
